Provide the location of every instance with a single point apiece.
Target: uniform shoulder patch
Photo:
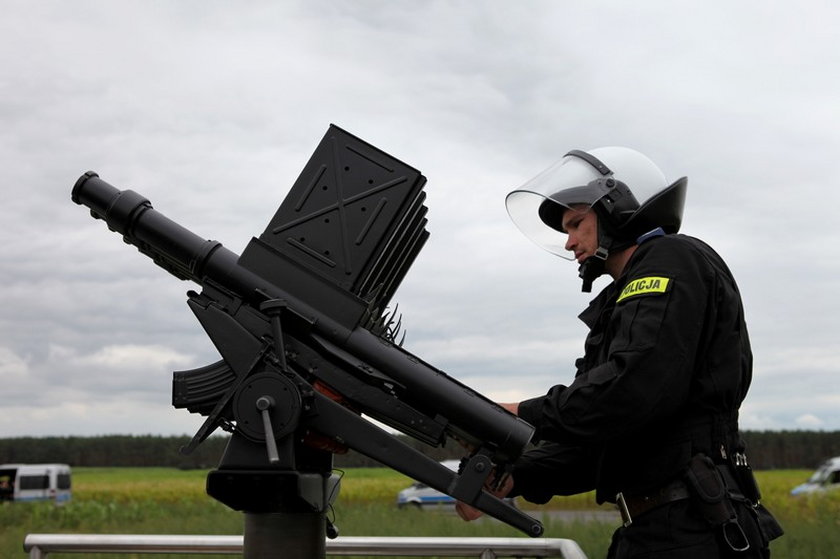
(651, 285)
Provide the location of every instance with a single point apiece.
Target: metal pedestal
(284, 535)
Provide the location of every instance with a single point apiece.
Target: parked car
(826, 478)
(421, 495)
(35, 482)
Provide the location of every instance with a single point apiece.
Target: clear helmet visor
(578, 181)
(537, 207)
(523, 208)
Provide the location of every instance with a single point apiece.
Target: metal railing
(40, 545)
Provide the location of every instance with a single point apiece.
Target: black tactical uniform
(667, 363)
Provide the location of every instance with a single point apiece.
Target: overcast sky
(211, 109)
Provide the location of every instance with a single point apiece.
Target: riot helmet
(625, 189)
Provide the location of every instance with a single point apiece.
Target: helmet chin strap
(592, 268)
(595, 266)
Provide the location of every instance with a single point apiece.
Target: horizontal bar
(39, 545)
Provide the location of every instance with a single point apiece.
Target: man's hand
(512, 408)
(468, 513)
(502, 489)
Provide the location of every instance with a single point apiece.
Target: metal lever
(264, 404)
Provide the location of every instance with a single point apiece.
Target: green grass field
(168, 501)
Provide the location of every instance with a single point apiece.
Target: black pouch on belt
(713, 501)
(745, 479)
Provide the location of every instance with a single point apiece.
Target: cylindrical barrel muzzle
(119, 208)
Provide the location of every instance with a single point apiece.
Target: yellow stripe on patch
(644, 286)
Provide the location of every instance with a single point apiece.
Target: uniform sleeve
(552, 469)
(639, 368)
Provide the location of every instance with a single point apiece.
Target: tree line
(766, 450)
(155, 451)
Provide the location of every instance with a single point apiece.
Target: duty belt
(633, 506)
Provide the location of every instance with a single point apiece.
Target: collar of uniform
(590, 314)
(658, 232)
(607, 296)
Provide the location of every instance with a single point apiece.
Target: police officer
(650, 420)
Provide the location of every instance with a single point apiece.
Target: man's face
(581, 224)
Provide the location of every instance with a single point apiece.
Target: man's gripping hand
(500, 489)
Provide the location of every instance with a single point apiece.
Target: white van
(35, 482)
(826, 478)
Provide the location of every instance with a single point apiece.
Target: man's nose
(570, 243)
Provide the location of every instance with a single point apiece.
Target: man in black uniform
(650, 421)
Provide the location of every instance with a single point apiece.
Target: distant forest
(766, 450)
